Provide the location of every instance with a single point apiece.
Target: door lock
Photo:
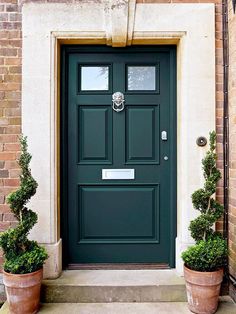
(164, 136)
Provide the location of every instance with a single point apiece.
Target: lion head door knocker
(118, 101)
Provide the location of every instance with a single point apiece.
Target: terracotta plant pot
(23, 291)
(203, 289)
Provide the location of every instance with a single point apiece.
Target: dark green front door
(118, 166)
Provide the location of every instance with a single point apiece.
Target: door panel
(142, 137)
(119, 220)
(116, 217)
(95, 134)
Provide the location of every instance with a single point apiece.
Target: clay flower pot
(23, 291)
(203, 289)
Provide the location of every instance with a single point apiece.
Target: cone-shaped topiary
(22, 255)
(210, 251)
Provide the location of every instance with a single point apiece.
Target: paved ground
(226, 307)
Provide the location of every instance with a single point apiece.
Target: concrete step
(226, 306)
(105, 286)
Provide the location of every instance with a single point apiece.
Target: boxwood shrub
(210, 251)
(21, 254)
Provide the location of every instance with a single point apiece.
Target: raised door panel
(142, 134)
(119, 214)
(95, 134)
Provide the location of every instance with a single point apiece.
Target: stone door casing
(117, 23)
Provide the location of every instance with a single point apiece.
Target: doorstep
(226, 306)
(103, 286)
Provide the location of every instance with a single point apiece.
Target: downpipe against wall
(225, 37)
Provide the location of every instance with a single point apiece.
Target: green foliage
(210, 251)
(207, 255)
(30, 261)
(22, 255)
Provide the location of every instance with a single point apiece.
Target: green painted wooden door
(111, 215)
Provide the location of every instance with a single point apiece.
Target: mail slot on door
(117, 174)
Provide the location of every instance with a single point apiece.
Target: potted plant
(24, 259)
(204, 261)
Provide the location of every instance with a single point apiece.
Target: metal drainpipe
(231, 278)
(225, 114)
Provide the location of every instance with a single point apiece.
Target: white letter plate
(117, 174)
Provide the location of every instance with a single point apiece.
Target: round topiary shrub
(21, 254)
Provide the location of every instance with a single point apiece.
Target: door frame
(65, 50)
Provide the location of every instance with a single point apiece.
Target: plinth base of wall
(53, 266)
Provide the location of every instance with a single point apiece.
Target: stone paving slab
(226, 306)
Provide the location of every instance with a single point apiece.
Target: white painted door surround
(116, 23)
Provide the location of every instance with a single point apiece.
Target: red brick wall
(10, 104)
(10, 108)
(232, 144)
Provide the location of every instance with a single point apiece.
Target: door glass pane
(94, 78)
(141, 77)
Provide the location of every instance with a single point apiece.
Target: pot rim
(204, 272)
(22, 275)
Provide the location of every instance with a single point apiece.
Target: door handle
(164, 136)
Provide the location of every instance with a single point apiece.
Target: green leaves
(212, 141)
(22, 255)
(207, 255)
(210, 251)
(203, 200)
(27, 262)
(201, 226)
(200, 200)
(28, 186)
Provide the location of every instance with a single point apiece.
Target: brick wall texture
(232, 142)
(10, 108)
(10, 105)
